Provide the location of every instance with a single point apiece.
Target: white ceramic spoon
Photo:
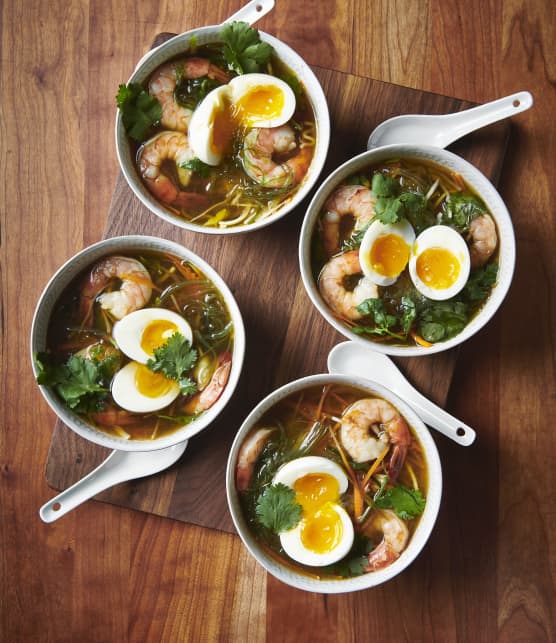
(119, 466)
(442, 130)
(250, 13)
(351, 358)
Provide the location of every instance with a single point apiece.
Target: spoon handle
(252, 11)
(461, 123)
(98, 480)
(437, 417)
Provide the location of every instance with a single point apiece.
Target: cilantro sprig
(407, 503)
(175, 359)
(244, 51)
(140, 111)
(276, 508)
(198, 166)
(393, 205)
(83, 384)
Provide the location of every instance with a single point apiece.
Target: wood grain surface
(105, 573)
(286, 336)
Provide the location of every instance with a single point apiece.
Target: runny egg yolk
(157, 333)
(260, 102)
(438, 268)
(322, 528)
(151, 384)
(389, 255)
(322, 531)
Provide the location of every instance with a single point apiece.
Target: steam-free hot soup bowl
(180, 280)
(256, 463)
(435, 319)
(220, 219)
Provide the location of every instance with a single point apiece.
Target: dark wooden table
(107, 573)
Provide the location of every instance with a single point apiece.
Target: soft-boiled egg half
(249, 100)
(385, 251)
(136, 388)
(440, 264)
(139, 333)
(325, 533)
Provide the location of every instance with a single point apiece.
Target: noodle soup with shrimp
(223, 138)
(138, 345)
(405, 253)
(331, 481)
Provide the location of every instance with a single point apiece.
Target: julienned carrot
(374, 466)
(420, 340)
(357, 493)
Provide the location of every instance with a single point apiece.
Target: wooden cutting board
(286, 337)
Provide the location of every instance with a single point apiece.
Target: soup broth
(329, 447)
(405, 253)
(131, 330)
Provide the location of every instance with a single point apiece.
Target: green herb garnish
(407, 503)
(82, 383)
(243, 49)
(175, 359)
(277, 510)
(460, 209)
(140, 111)
(480, 282)
(441, 320)
(190, 92)
(197, 166)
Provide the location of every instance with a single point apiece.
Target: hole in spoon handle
(252, 11)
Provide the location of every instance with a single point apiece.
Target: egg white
(441, 236)
(126, 394)
(288, 473)
(128, 331)
(242, 85)
(201, 126)
(403, 229)
(295, 549)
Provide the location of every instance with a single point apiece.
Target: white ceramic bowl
(474, 178)
(69, 271)
(419, 538)
(179, 45)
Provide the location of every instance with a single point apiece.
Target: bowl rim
(314, 92)
(427, 520)
(472, 176)
(67, 272)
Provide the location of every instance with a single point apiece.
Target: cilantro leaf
(480, 282)
(140, 110)
(384, 321)
(190, 92)
(175, 359)
(409, 313)
(276, 508)
(407, 503)
(244, 51)
(385, 186)
(198, 166)
(460, 209)
(81, 383)
(442, 319)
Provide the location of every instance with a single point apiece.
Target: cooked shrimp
(332, 285)
(354, 200)
(163, 84)
(259, 147)
(394, 539)
(248, 454)
(135, 289)
(209, 395)
(483, 239)
(168, 146)
(369, 426)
